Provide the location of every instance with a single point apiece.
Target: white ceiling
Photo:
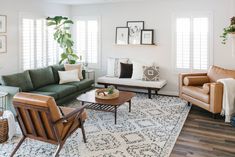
(78, 2)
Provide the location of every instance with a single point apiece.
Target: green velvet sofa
(44, 81)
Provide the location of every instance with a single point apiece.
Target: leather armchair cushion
(216, 73)
(195, 80)
(67, 110)
(53, 94)
(196, 92)
(206, 88)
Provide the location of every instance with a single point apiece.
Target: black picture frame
(135, 31)
(125, 40)
(151, 39)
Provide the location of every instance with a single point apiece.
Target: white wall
(157, 15)
(9, 62)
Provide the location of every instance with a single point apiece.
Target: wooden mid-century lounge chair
(41, 119)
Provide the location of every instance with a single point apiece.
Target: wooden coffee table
(106, 105)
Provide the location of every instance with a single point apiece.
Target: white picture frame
(135, 28)
(3, 43)
(3, 23)
(122, 35)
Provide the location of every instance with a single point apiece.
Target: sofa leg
(189, 104)
(149, 93)
(105, 86)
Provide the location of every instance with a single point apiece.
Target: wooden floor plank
(203, 136)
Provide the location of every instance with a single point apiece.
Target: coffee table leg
(115, 114)
(82, 103)
(129, 106)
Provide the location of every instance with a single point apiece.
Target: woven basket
(3, 129)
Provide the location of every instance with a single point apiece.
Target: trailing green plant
(228, 30)
(63, 37)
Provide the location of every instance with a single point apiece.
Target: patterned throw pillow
(150, 73)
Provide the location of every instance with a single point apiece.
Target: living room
(119, 77)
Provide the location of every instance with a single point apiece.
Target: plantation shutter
(192, 43)
(87, 40)
(38, 47)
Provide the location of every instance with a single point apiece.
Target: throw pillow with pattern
(150, 73)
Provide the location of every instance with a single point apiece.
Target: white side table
(3, 101)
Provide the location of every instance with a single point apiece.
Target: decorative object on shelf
(63, 37)
(3, 43)
(122, 35)
(107, 93)
(135, 31)
(147, 37)
(3, 23)
(228, 30)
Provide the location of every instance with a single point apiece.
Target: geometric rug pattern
(149, 130)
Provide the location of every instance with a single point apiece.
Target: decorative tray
(104, 94)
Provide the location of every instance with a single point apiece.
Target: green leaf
(51, 23)
(68, 21)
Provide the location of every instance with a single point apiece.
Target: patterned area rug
(150, 130)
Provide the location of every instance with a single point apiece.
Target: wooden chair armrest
(67, 117)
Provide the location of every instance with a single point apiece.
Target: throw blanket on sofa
(228, 105)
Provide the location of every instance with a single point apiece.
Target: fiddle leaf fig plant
(63, 37)
(228, 30)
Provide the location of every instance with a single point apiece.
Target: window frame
(99, 41)
(34, 16)
(192, 15)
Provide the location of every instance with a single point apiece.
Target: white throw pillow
(114, 66)
(110, 67)
(137, 70)
(74, 67)
(68, 76)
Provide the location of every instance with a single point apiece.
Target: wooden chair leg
(18, 146)
(56, 154)
(83, 131)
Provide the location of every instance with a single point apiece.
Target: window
(192, 42)
(87, 40)
(37, 46)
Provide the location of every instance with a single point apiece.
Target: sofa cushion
(197, 93)
(131, 82)
(21, 80)
(53, 94)
(55, 69)
(60, 90)
(216, 73)
(42, 77)
(196, 80)
(83, 84)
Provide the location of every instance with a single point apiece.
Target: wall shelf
(137, 45)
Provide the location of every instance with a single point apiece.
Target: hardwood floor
(203, 136)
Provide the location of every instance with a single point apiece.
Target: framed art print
(3, 24)
(135, 31)
(3, 44)
(147, 37)
(122, 35)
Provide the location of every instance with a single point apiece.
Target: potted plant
(228, 30)
(63, 37)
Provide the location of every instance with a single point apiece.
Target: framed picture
(135, 31)
(3, 24)
(3, 44)
(122, 35)
(147, 37)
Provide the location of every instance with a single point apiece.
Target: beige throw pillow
(78, 67)
(68, 76)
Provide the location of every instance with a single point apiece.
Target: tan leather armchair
(203, 90)
(40, 119)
